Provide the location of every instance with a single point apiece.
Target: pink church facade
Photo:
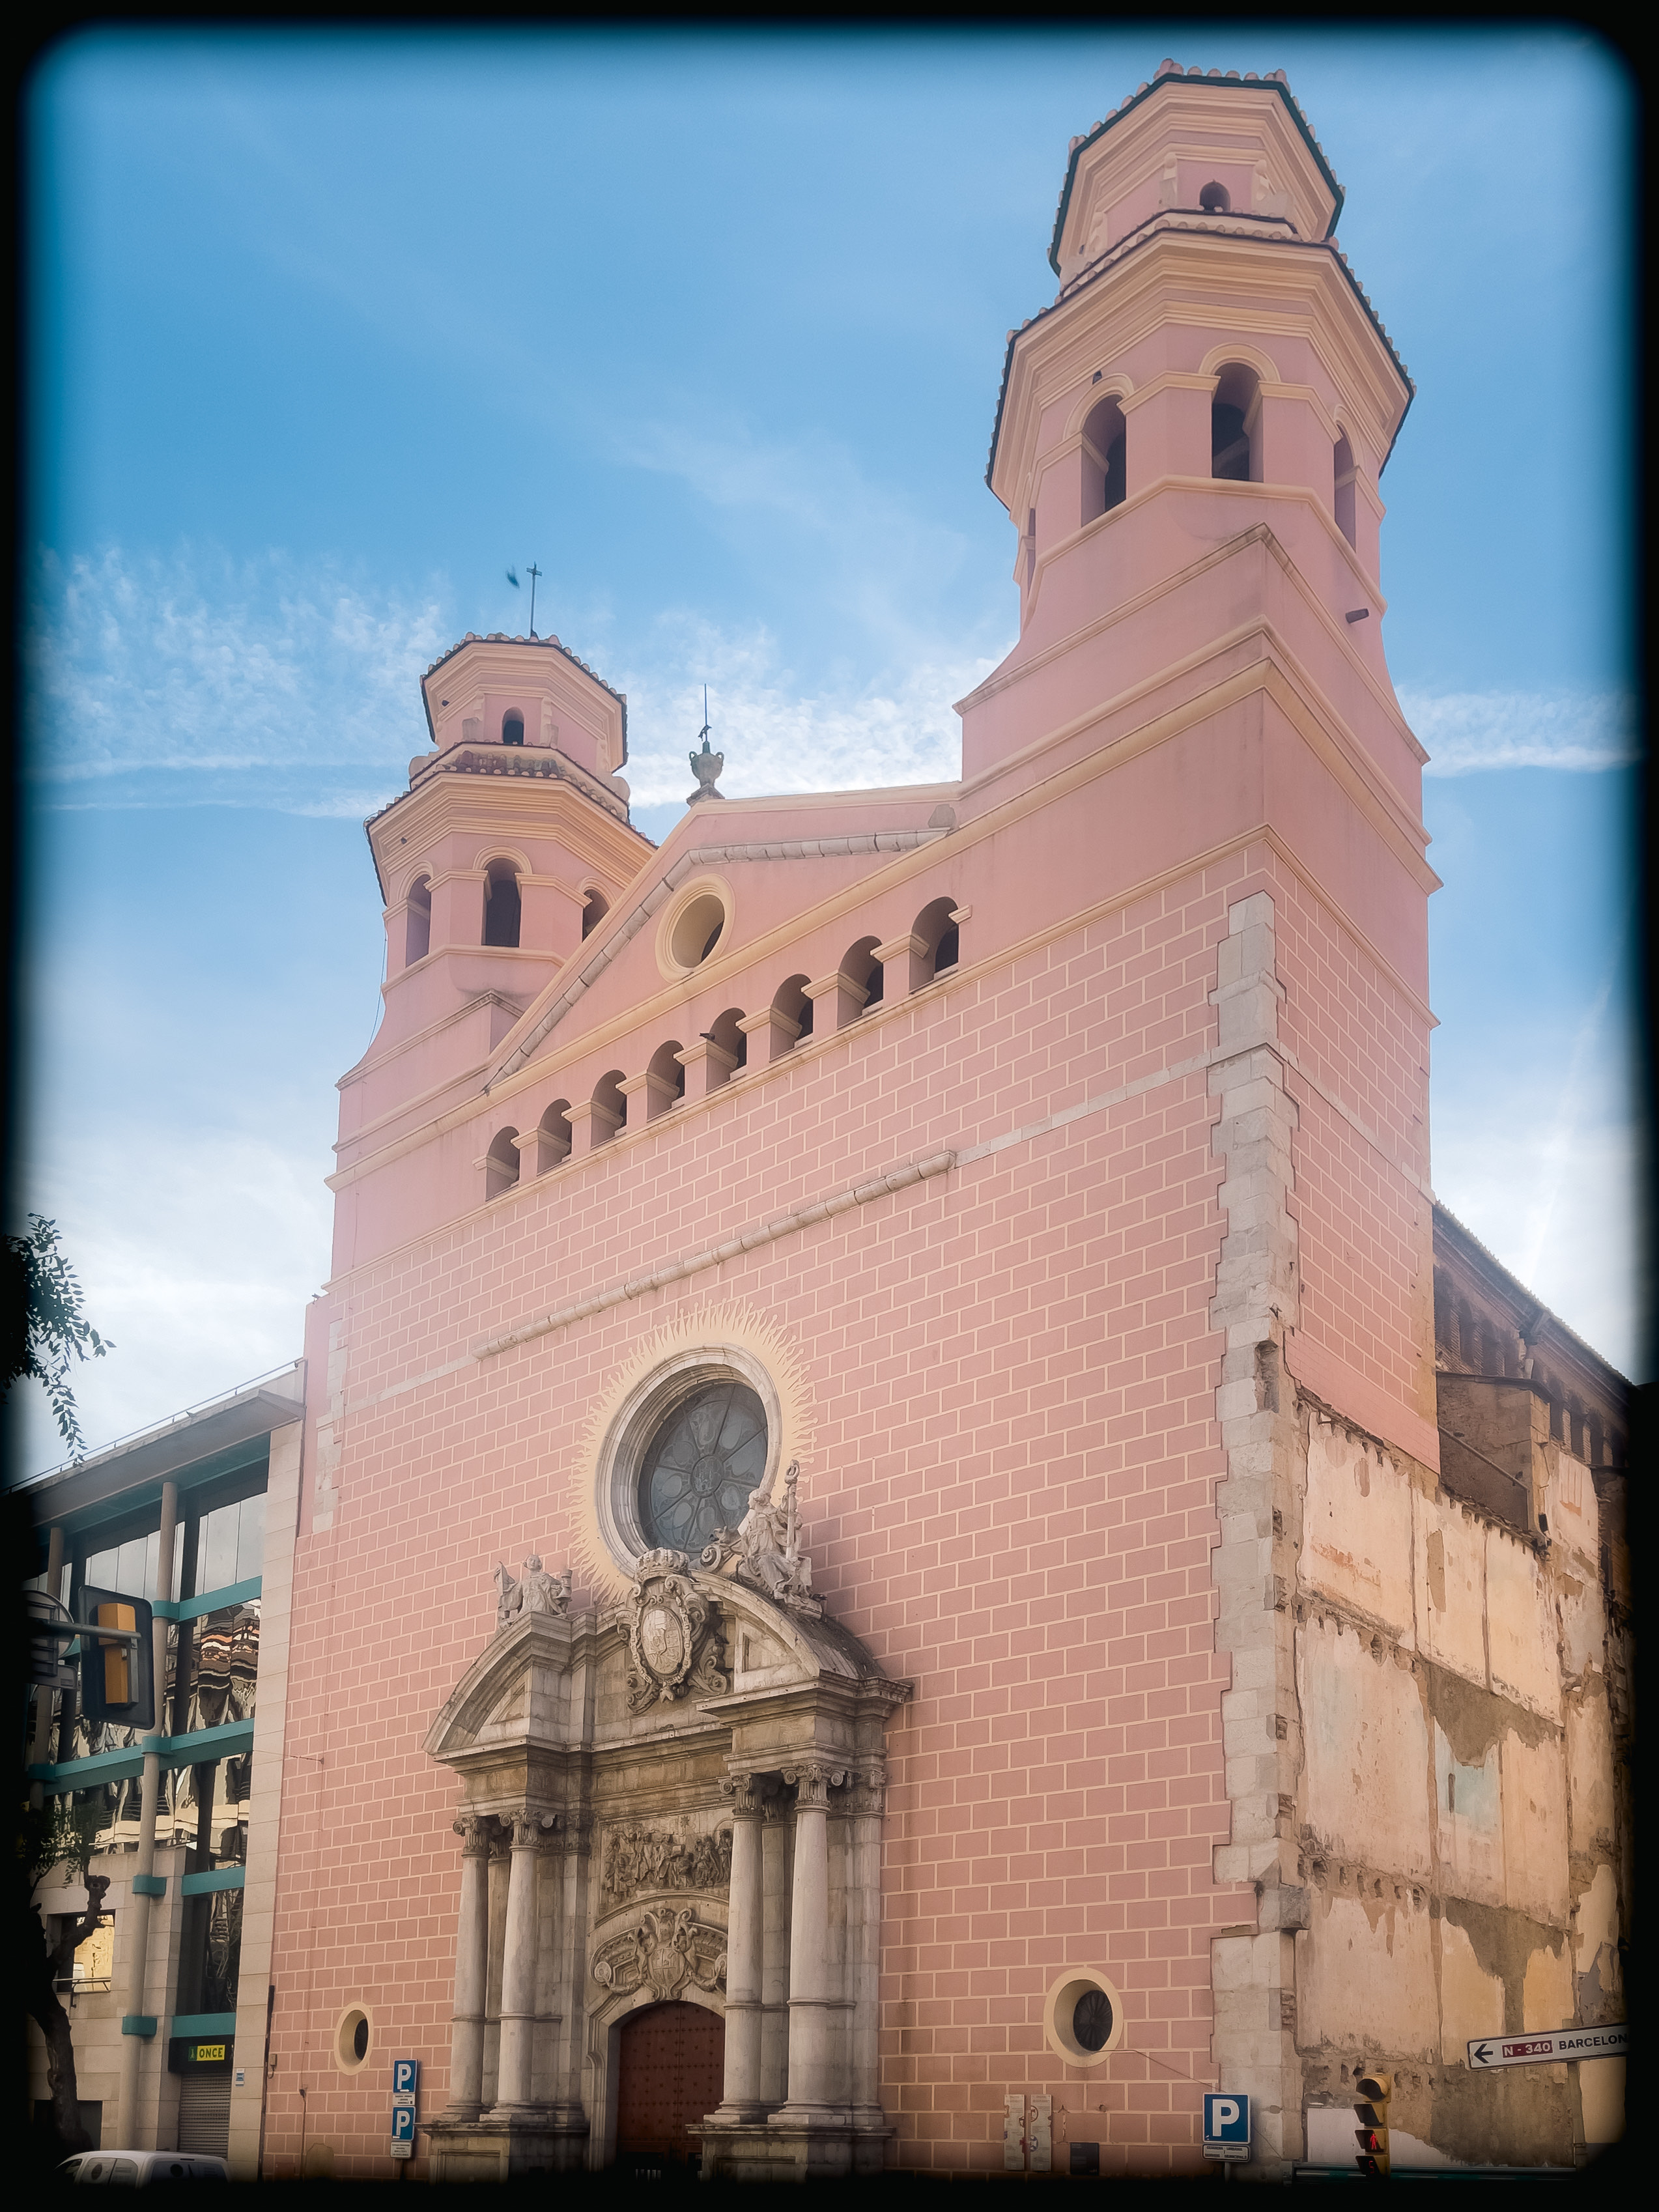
(1038, 1163)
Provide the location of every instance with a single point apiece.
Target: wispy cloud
(775, 736)
(890, 571)
(195, 680)
(1466, 732)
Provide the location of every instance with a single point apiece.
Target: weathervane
(705, 765)
(532, 572)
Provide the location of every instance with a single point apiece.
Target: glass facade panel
(215, 1558)
(251, 1538)
(129, 1567)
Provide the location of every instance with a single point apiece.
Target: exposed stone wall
(1458, 1837)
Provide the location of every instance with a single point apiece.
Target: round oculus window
(701, 1466)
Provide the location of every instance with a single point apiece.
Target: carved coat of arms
(674, 1637)
(666, 1951)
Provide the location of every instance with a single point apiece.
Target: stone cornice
(1148, 294)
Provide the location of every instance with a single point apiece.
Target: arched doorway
(671, 2073)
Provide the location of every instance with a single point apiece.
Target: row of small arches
(799, 1008)
(1235, 447)
(503, 912)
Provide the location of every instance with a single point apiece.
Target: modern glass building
(167, 1993)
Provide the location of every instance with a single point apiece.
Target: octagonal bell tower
(511, 842)
(1210, 368)
(1188, 442)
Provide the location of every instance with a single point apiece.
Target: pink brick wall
(1361, 1154)
(1010, 1497)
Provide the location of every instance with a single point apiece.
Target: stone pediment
(514, 1694)
(738, 1646)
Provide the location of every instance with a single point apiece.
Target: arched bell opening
(1105, 449)
(1235, 426)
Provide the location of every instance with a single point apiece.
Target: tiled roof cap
(501, 637)
(1193, 75)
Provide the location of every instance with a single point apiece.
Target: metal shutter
(204, 2110)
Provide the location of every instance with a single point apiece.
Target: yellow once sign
(206, 2050)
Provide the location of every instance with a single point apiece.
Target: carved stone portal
(644, 1822)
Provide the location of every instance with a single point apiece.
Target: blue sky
(329, 331)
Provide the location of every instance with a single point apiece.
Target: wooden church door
(671, 2071)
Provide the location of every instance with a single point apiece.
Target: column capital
(530, 1827)
(748, 1793)
(867, 1792)
(474, 1829)
(814, 1779)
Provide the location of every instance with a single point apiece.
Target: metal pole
(133, 2045)
(45, 1696)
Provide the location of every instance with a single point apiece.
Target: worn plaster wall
(1461, 1844)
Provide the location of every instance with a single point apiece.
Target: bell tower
(1188, 441)
(1210, 378)
(511, 842)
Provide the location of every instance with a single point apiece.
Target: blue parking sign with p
(1227, 2124)
(405, 2074)
(402, 2124)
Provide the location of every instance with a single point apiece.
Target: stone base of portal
(504, 2148)
(784, 2149)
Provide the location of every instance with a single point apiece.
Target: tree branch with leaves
(46, 1330)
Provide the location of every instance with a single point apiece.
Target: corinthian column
(864, 1947)
(743, 2099)
(466, 2034)
(809, 1994)
(514, 2067)
(777, 1838)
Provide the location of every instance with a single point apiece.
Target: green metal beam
(192, 1609)
(199, 1748)
(200, 1885)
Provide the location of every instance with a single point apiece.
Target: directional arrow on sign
(1550, 2047)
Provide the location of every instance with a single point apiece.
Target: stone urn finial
(706, 766)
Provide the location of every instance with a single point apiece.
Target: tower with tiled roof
(510, 843)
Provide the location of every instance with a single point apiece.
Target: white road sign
(1559, 2043)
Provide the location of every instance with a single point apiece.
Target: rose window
(702, 1465)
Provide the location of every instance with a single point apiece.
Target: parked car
(137, 2169)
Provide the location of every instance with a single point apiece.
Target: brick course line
(672, 1271)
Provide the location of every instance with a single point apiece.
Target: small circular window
(696, 930)
(701, 1466)
(1083, 2017)
(352, 2038)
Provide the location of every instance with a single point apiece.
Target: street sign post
(1549, 2048)
(1226, 2126)
(405, 2085)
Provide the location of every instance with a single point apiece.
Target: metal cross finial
(532, 572)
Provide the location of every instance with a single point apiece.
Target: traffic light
(118, 1671)
(1372, 2114)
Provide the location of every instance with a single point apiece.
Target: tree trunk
(44, 1962)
